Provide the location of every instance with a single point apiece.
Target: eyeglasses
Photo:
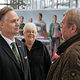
(61, 24)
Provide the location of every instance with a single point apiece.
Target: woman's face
(30, 35)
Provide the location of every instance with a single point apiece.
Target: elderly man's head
(71, 23)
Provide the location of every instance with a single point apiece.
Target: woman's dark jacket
(39, 60)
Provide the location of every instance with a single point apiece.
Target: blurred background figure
(30, 20)
(38, 56)
(55, 34)
(41, 25)
(21, 25)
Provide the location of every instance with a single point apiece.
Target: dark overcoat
(10, 69)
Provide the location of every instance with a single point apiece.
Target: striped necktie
(14, 49)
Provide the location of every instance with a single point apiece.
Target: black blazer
(9, 67)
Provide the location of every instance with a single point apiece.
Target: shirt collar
(8, 40)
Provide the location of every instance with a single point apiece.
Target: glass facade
(40, 4)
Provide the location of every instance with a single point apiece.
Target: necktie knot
(13, 45)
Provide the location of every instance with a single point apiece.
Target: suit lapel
(11, 54)
(8, 51)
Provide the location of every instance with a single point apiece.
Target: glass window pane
(38, 4)
(73, 4)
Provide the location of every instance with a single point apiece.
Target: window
(40, 4)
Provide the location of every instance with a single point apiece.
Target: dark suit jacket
(9, 67)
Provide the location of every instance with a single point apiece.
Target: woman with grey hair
(38, 56)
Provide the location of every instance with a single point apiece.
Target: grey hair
(29, 26)
(73, 17)
(3, 12)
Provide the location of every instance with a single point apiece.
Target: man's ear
(73, 28)
(1, 24)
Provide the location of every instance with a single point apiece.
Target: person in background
(55, 34)
(38, 56)
(21, 25)
(67, 66)
(13, 59)
(30, 20)
(41, 26)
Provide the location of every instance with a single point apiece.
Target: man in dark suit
(10, 68)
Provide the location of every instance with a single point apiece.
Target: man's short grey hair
(3, 12)
(73, 17)
(29, 26)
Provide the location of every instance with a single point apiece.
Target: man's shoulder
(43, 22)
(74, 48)
(18, 41)
(75, 45)
(40, 22)
(2, 40)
